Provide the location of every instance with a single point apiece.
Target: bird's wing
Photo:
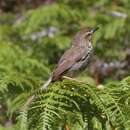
(68, 59)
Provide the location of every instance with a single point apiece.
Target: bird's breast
(82, 64)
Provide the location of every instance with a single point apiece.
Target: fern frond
(71, 99)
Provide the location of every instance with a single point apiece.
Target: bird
(76, 58)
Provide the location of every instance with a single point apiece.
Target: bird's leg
(72, 79)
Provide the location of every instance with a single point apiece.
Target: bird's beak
(95, 29)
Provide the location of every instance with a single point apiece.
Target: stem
(67, 127)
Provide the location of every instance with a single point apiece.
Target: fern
(28, 51)
(79, 102)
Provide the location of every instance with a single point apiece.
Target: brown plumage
(76, 57)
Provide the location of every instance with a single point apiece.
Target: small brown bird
(76, 58)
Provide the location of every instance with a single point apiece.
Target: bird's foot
(72, 79)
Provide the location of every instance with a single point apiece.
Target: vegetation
(31, 43)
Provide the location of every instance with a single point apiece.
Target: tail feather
(45, 86)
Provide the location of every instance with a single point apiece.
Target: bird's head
(85, 35)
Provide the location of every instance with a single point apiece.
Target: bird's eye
(88, 33)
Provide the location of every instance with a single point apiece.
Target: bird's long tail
(46, 84)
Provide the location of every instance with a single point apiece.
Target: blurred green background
(35, 33)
